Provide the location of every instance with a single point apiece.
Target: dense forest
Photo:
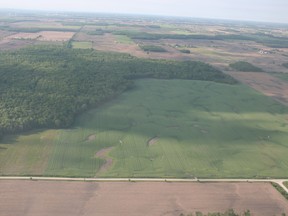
(46, 86)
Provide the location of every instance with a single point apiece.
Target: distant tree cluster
(152, 48)
(185, 51)
(245, 67)
(46, 86)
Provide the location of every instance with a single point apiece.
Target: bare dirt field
(129, 198)
(264, 83)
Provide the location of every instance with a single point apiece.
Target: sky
(253, 10)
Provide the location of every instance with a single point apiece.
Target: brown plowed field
(141, 198)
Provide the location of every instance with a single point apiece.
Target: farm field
(79, 101)
(162, 128)
(171, 199)
(273, 85)
(81, 45)
(44, 36)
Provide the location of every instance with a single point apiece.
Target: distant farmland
(162, 128)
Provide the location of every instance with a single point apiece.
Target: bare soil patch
(91, 137)
(264, 83)
(152, 140)
(103, 154)
(145, 198)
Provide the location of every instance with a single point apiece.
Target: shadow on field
(13, 139)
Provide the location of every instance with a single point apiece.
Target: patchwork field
(258, 44)
(162, 128)
(171, 199)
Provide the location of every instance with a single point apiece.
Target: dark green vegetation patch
(245, 66)
(285, 65)
(47, 86)
(185, 51)
(152, 48)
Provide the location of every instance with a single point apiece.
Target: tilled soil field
(141, 198)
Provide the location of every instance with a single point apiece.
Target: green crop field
(163, 128)
(82, 44)
(123, 39)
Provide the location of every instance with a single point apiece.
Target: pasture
(163, 128)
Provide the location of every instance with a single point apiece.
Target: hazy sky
(255, 10)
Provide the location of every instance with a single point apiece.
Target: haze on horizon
(248, 10)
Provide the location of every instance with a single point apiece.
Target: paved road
(278, 181)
